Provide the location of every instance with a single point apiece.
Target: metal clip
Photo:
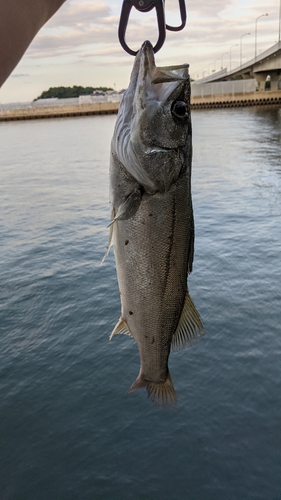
(146, 6)
(183, 18)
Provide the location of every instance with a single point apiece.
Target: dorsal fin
(189, 326)
(120, 328)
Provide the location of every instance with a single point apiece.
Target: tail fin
(163, 393)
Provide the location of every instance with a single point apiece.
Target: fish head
(153, 131)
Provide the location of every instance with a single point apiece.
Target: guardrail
(223, 88)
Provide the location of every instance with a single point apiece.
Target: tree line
(68, 92)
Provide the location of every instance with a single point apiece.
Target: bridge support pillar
(275, 80)
(261, 78)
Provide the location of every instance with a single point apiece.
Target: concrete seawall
(101, 108)
(236, 100)
(105, 108)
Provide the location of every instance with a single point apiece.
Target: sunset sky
(79, 45)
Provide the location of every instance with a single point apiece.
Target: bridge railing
(223, 88)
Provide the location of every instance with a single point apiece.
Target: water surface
(69, 430)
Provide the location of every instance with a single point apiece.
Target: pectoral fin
(110, 241)
(189, 326)
(129, 207)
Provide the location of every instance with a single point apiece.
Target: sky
(79, 45)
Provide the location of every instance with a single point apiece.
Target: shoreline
(105, 108)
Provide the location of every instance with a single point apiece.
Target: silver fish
(152, 227)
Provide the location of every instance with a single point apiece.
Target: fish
(152, 224)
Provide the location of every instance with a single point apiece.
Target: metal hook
(142, 6)
(183, 18)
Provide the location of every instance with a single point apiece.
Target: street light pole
(215, 63)
(256, 28)
(241, 47)
(236, 45)
(225, 53)
(279, 22)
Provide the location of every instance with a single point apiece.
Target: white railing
(54, 102)
(223, 88)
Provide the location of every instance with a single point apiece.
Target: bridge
(266, 67)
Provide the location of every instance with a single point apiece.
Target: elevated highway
(265, 67)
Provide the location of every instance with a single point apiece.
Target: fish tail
(163, 393)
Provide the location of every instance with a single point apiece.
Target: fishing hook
(146, 6)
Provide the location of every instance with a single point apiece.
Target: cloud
(72, 41)
(200, 8)
(19, 75)
(76, 15)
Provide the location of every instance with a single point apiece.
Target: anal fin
(189, 326)
(120, 328)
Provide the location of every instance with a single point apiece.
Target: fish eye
(179, 110)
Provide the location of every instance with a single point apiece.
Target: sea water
(69, 430)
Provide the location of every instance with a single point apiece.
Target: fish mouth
(165, 74)
(148, 77)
